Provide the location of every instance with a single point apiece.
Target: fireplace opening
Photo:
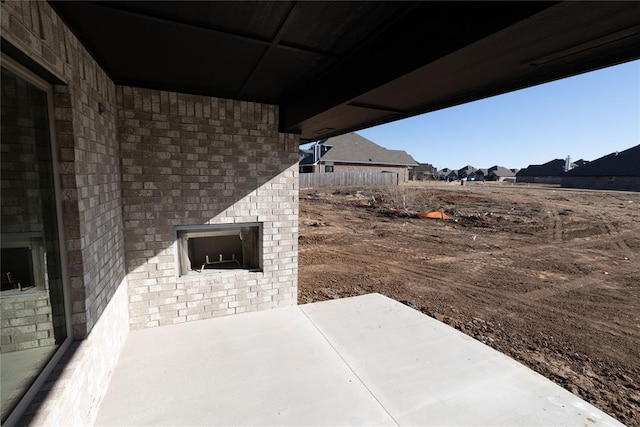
(219, 247)
(17, 271)
(22, 261)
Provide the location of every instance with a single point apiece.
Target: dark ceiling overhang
(335, 67)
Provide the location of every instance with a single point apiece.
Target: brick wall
(193, 160)
(29, 323)
(89, 156)
(74, 391)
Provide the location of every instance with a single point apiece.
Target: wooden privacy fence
(346, 179)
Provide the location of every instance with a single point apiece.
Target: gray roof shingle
(551, 168)
(501, 172)
(353, 148)
(624, 163)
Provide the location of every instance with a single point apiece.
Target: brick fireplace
(205, 177)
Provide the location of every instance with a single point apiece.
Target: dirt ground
(548, 276)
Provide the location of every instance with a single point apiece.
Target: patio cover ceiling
(335, 67)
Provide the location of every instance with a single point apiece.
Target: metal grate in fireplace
(218, 247)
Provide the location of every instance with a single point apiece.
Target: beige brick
(275, 203)
(172, 321)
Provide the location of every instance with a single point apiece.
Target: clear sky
(585, 117)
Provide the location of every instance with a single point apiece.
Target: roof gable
(624, 163)
(353, 148)
(468, 169)
(501, 171)
(551, 168)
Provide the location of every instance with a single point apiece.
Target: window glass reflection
(32, 318)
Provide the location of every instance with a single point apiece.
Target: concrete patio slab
(366, 360)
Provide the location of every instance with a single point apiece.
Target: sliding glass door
(33, 324)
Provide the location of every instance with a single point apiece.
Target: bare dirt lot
(548, 276)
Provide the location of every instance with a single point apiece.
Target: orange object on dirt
(362, 204)
(433, 215)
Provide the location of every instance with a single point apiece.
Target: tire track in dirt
(613, 231)
(563, 287)
(479, 260)
(607, 236)
(555, 226)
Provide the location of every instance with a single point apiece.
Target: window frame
(48, 368)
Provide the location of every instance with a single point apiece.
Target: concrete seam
(348, 366)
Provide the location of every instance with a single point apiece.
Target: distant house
(616, 171)
(465, 171)
(447, 174)
(498, 173)
(424, 171)
(353, 153)
(443, 173)
(547, 173)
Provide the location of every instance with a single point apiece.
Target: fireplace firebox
(203, 248)
(23, 261)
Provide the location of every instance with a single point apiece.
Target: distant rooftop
(552, 168)
(623, 163)
(353, 148)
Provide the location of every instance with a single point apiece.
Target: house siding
(623, 183)
(539, 179)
